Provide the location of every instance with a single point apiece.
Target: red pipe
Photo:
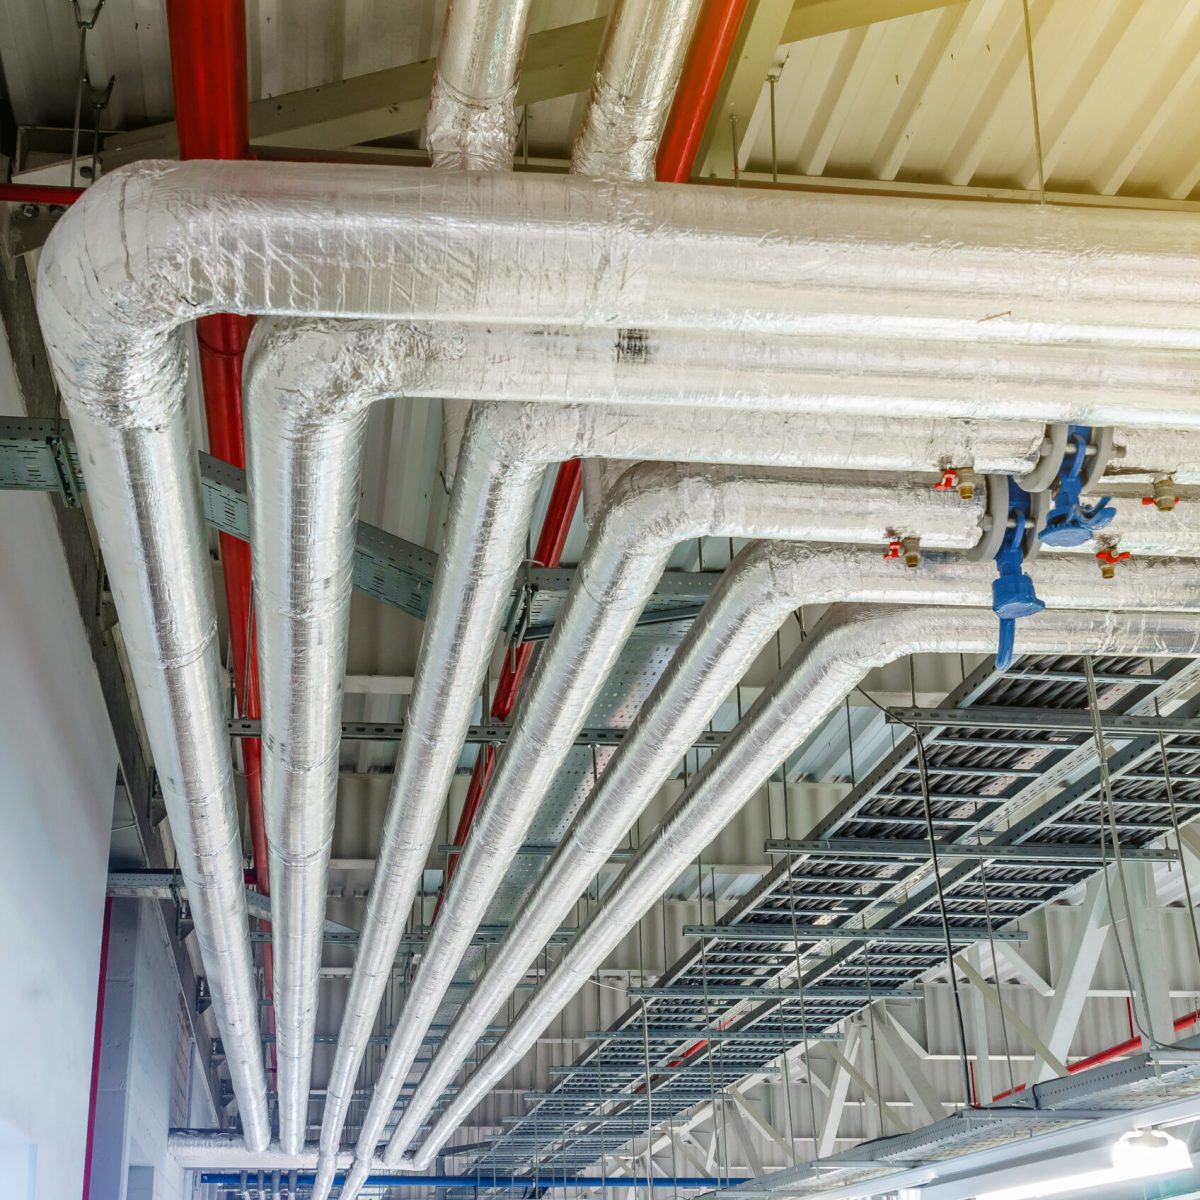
(208, 71)
(1120, 1050)
(703, 69)
(97, 1039)
(38, 193)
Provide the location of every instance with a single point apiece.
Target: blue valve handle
(1071, 522)
(1013, 594)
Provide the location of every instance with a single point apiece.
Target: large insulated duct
(143, 487)
(638, 67)
(650, 511)
(308, 384)
(472, 121)
(848, 643)
(151, 247)
(766, 584)
(155, 245)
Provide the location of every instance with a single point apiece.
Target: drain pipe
(849, 642)
(651, 510)
(308, 386)
(766, 584)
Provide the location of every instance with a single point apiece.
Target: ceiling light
(1136, 1155)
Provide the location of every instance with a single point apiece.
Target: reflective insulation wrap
(1145, 532)
(472, 124)
(847, 643)
(1076, 296)
(636, 73)
(652, 509)
(144, 490)
(1144, 455)
(307, 391)
(198, 1151)
(308, 383)
(504, 453)
(767, 583)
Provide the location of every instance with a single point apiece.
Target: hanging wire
(926, 803)
(1107, 807)
(772, 80)
(987, 916)
(871, 1033)
(84, 27)
(1187, 887)
(1033, 101)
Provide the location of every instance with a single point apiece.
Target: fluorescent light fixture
(1137, 1155)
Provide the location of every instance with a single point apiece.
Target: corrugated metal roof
(944, 96)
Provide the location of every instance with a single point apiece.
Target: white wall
(58, 765)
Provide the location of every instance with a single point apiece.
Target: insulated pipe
(650, 511)
(144, 492)
(308, 387)
(848, 643)
(155, 245)
(637, 70)
(472, 121)
(766, 584)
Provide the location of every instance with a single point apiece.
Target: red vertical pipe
(208, 71)
(97, 1039)
(707, 59)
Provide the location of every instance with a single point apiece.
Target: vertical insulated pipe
(209, 76)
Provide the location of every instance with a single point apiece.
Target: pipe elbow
(107, 303)
(318, 370)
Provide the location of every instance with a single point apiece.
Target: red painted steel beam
(1120, 1050)
(38, 193)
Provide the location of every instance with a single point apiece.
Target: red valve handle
(1111, 556)
(893, 550)
(1152, 500)
(948, 482)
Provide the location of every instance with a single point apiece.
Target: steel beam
(1042, 720)
(494, 733)
(854, 849)
(748, 931)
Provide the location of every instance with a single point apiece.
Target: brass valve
(959, 479)
(907, 548)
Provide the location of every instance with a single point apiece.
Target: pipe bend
(319, 370)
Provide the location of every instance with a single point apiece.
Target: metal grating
(980, 779)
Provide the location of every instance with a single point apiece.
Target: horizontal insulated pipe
(155, 245)
(308, 385)
(651, 510)
(848, 643)
(765, 585)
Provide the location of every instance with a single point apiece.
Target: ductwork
(472, 123)
(154, 245)
(639, 65)
(848, 642)
(143, 487)
(765, 585)
(151, 247)
(652, 509)
(305, 430)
